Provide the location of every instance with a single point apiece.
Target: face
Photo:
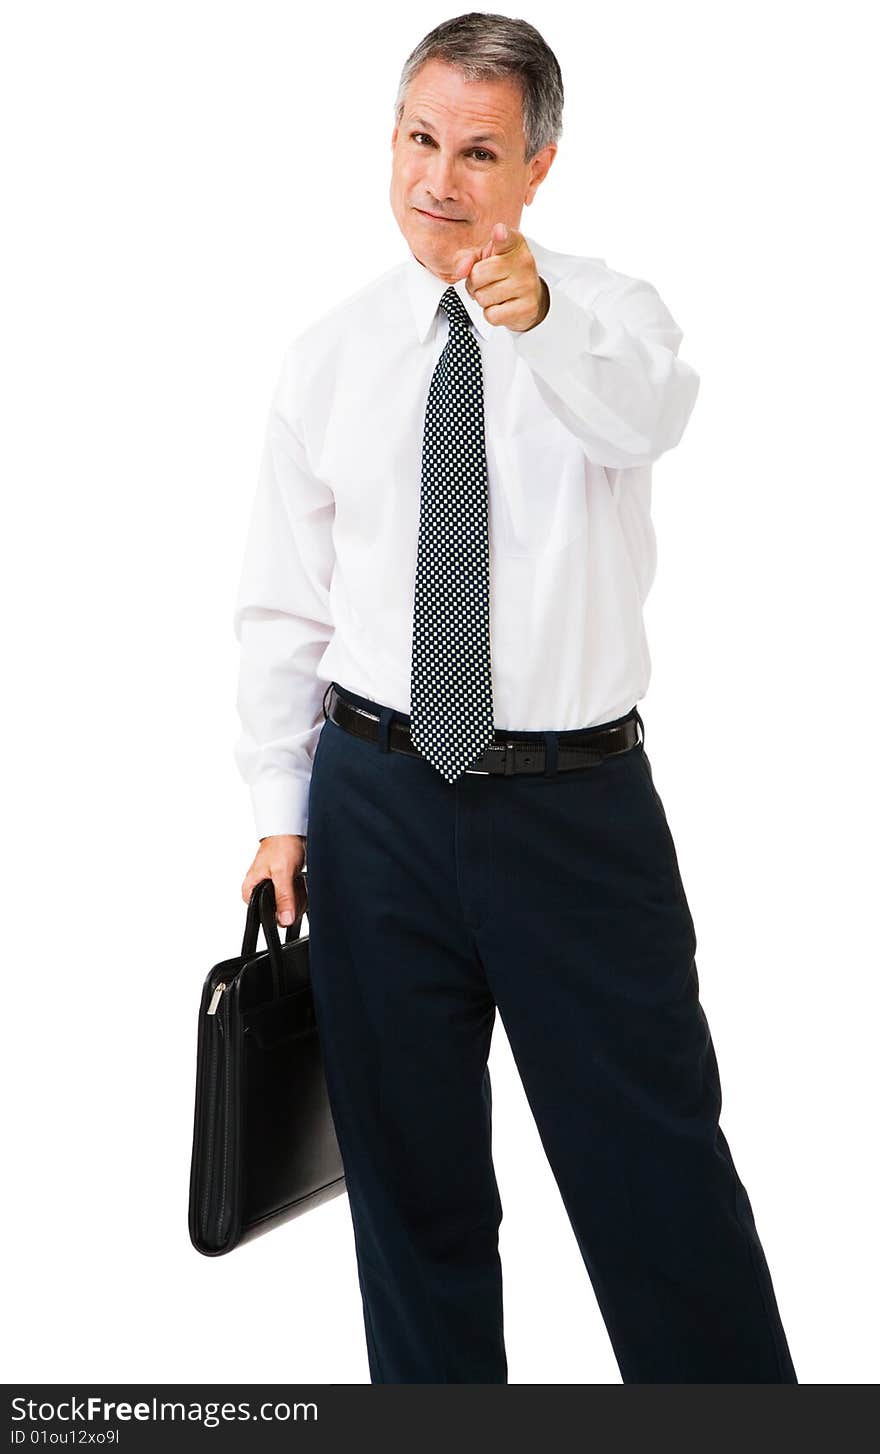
(457, 163)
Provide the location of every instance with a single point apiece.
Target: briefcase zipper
(211, 1106)
(215, 998)
(211, 1126)
(227, 1089)
(217, 1168)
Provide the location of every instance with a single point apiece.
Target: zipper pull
(215, 998)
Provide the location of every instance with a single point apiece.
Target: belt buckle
(479, 771)
(508, 760)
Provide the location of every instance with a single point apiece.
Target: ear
(541, 165)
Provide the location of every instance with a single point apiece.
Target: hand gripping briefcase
(264, 1145)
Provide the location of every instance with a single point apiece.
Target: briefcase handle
(261, 911)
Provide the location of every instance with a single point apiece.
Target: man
(440, 617)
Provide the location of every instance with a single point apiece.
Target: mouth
(436, 217)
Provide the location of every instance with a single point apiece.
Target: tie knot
(454, 308)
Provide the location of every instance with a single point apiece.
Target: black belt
(506, 755)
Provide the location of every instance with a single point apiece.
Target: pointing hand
(503, 277)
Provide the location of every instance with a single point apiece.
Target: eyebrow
(484, 136)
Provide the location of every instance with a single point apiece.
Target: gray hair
(483, 47)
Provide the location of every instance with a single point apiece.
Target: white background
(187, 186)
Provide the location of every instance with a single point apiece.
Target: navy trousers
(556, 898)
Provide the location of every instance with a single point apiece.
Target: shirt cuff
(559, 338)
(281, 803)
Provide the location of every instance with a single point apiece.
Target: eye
(488, 155)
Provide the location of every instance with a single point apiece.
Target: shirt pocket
(540, 492)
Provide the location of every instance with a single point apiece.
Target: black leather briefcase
(264, 1145)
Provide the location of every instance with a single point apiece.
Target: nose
(439, 180)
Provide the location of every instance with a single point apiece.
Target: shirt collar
(425, 292)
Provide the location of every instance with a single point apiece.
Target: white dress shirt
(576, 410)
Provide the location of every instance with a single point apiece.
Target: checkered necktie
(451, 719)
